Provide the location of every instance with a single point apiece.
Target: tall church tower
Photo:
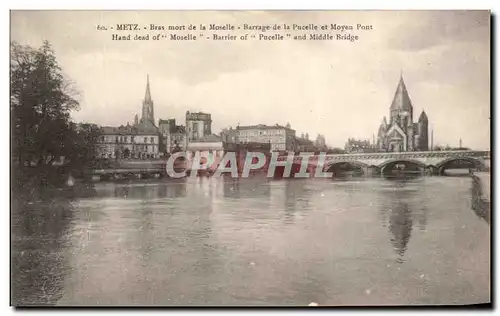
(423, 128)
(401, 133)
(148, 116)
(401, 107)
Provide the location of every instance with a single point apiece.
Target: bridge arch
(473, 160)
(476, 163)
(410, 161)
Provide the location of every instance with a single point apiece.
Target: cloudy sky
(337, 88)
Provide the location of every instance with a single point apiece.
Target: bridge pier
(382, 171)
(370, 172)
(422, 171)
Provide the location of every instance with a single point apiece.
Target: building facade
(303, 144)
(198, 125)
(359, 146)
(127, 142)
(400, 133)
(320, 141)
(140, 140)
(173, 136)
(229, 136)
(281, 138)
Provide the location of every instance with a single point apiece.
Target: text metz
(127, 27)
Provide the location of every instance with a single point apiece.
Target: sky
(340, 89)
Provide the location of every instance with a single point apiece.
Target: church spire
(147, 97)
(401, 99)
(423, 117)
(148, 117)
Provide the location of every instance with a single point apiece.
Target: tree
(41, 102)
(81, 145)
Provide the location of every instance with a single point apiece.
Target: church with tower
(139, 140)
(400, 133)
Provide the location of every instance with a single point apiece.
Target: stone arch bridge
(429, 161)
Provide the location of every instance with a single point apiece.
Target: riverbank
(481, 195)
(485, 179)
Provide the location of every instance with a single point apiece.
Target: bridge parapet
(415, 155)
(411, 155)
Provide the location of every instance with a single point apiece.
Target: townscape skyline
(337, 90)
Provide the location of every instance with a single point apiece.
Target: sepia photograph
(250, 158)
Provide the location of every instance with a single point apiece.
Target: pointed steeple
(423, 117)
(147, 97)
(148, 117)
(401, 99)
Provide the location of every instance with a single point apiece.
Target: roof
(167, 121)
(401, 100)
(262, 126)
(198, 116)
(127, 130)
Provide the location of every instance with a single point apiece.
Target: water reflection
(231, 187)
(145, 191)
(400, 225)
(251, 188)
(210, 241)
(297, 195)
(38, 255)
(402, 202)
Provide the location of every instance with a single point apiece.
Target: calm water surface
(253, 242)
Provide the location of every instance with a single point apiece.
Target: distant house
(173, 136)
(281, 138)
(304, 145)
(128, 142)
(359, 146)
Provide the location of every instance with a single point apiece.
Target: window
(152, 140)
(117, 139)
(126, 138)
(131, 139)
(145, 139)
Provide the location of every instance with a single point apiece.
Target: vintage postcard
(250, 158)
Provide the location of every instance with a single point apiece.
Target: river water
(209, 241)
